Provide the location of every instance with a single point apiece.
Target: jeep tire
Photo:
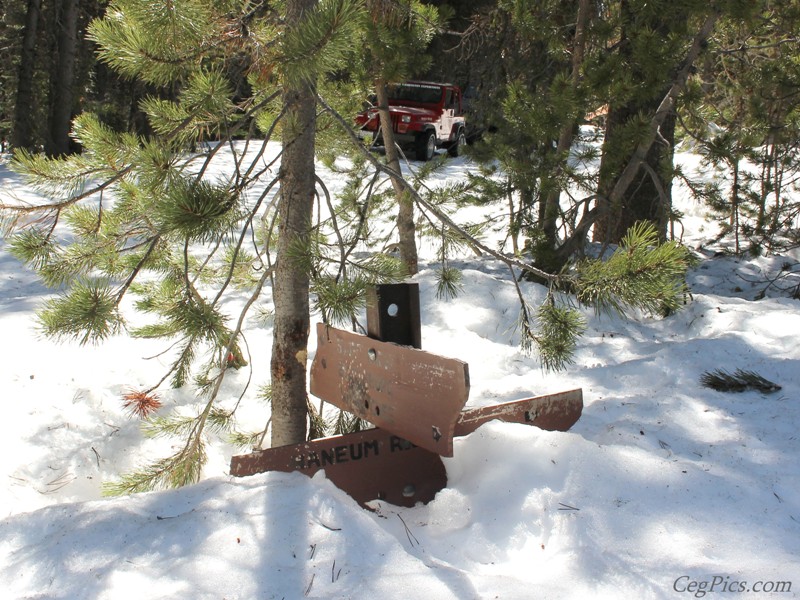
(426, 145)
(457, 147)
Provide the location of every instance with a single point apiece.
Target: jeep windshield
(419, 94)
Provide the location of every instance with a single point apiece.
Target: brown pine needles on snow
(141, 404)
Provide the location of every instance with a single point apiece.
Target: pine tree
(291, 285)
(743, 110)
(49, 73)
(63, 76)
(23, 124)
(146, 219)
(658, 49)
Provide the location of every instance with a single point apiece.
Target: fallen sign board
(552, 412)
(378, 465)
(411, 392)
(369, 465)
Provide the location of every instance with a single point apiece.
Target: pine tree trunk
(22, 134)
(635, 184)
(63, 78)
(647, 198)
(641, 200)
(405, 212)
(290, 292)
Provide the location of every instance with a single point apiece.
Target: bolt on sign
(416, 400)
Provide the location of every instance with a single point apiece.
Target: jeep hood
(412, 110)
(403, 110)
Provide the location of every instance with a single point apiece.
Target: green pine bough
(739, 381)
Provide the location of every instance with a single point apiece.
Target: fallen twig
(411, 538)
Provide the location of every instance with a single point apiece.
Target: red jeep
(425, 116)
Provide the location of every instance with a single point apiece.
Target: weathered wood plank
(414, 394)
(368, 465)
(553, 412)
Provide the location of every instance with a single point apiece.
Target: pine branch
(88, 312)
(339, 301)
(559, 328)
(170, 426)
(640, 274)
(246, 440)
(346, 422)
(77, 182)
(323, 40)
(740, 381)
(448, 283)
(180, 469)
(317, 427)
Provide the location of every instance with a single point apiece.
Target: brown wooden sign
(378, 465)
(553, 412)
(368, 465)
(412, 393)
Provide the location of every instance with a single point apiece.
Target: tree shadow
(82, 550)
(660, 476)
(20, 289)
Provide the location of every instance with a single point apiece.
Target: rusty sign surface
(413, 393)
(553, 412)
(378, 465)
(368, 465)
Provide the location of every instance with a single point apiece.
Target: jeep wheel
(426, 145)
(457, 147)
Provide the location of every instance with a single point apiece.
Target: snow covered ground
(663, 489)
